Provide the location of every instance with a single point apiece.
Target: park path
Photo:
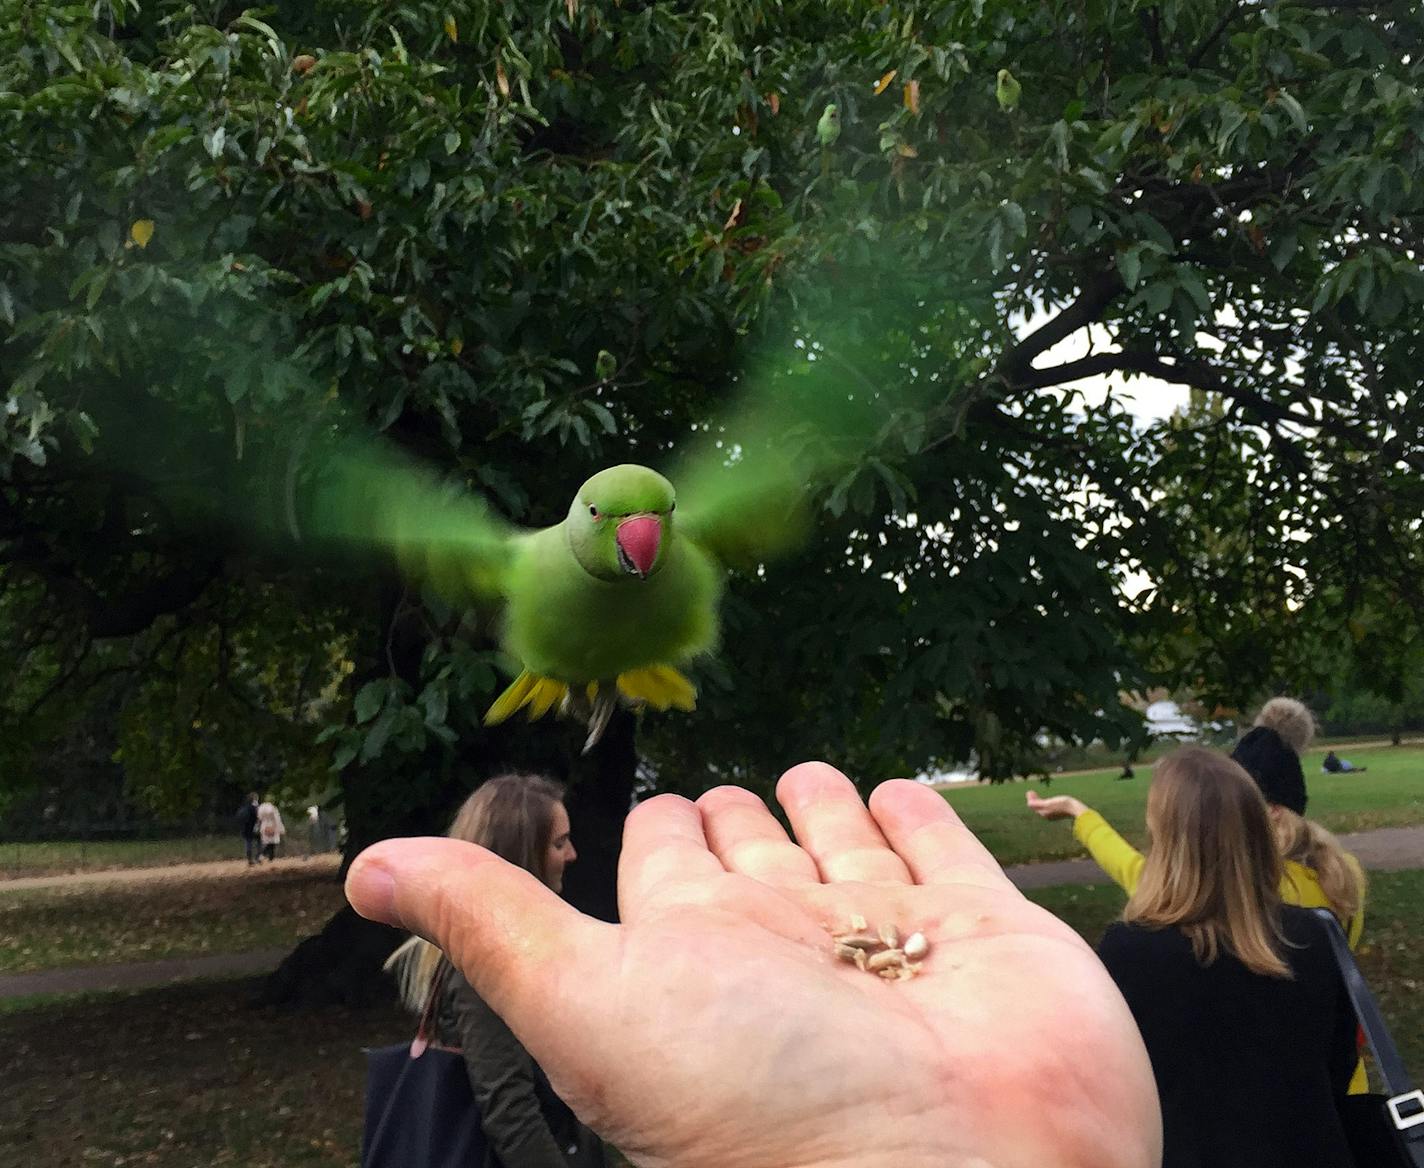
(198, 870)
(1384, 849)
(140, 975)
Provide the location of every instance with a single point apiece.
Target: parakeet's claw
(605, 701)
(539, 694)
(659, 686)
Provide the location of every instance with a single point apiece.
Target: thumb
(516, 942)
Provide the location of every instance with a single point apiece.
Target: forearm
(1114, 855)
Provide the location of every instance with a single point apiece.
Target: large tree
(229, 227)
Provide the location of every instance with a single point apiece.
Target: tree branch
(1097, 294)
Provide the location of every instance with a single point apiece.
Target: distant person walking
(247, 825)
(270, 828)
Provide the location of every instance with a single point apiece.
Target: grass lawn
(185, 1076)
(1391, 956)
(1389, 794)
(258, 908)
(55, 856)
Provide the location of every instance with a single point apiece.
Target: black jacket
(1249, 1067)
(527, 1125)
(247, 820)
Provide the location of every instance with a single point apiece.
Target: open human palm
(717, 1026)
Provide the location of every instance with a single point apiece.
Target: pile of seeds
(881, 951)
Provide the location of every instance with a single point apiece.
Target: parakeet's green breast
(563, 623)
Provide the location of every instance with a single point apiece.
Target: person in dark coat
(247, 825)
(1240, 1003)
(521, 818)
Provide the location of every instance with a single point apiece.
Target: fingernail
(372, 893)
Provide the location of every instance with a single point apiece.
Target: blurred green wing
(807, 412)
(365, 494)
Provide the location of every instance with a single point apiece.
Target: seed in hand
(880, 952)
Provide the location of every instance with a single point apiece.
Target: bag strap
(1405, 1103)
(426, 1030)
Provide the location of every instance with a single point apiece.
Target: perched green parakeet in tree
(1007, 90)
(828, 129)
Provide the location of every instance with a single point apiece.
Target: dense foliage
(222, 227)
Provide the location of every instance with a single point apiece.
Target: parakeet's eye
(672, 506)
(592, 510)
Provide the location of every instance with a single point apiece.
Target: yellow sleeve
(1114, 855)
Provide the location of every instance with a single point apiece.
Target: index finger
(663, 846)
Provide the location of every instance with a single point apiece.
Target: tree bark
(343, 963)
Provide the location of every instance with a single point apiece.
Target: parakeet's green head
(620, 521)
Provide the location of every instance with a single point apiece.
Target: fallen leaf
(141, 231)
(501, 79)
(452, 30)
(735, 217)
(912, 97)
(774, 100)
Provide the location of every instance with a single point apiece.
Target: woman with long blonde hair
(1241, 1006)
(1316, 872)
(521, 819)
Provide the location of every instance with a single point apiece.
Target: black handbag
(1384, 1131)
(420, 1111)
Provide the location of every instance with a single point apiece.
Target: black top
(1248, 1067)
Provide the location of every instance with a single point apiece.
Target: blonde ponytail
(1307, 843)
(414, 964)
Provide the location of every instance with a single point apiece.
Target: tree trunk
(342, 964)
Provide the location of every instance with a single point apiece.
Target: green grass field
(1390, 793)
(55, 856)
(90, 925)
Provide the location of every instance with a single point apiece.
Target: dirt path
(204, 870)
(1385, 849)
(139, 975)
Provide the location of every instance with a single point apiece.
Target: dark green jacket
(528, 1126)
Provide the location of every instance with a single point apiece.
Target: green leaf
(1293, 108)
(1129, 265)
(1058, 139)
(369, 700)
(379, 733)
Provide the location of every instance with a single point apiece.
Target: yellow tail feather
(540, 694)
(659, 686)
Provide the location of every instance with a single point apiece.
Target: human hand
(1058, 807)
(715, 1026)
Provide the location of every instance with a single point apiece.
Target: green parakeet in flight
(613, 601)
(1007, 90)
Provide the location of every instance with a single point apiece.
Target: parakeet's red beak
(638, 539)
